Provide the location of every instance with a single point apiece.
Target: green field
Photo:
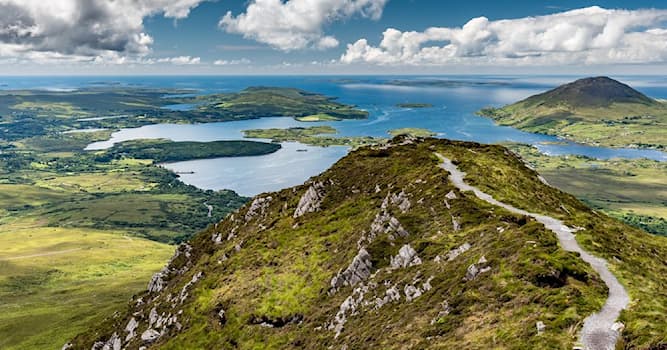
(634, 191)
(55, 282)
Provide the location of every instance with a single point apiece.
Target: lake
(454, 101)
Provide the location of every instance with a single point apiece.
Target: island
(596, 111)
(314, 136)
(162, 151)
(414, 105)
(414, 132)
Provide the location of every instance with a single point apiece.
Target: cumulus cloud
(231, 62)
(297, 24)
(180, 60)
(590, 35)
(81, 29)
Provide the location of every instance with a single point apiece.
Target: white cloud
(81, 29)
(297, 24)
(231, 62)
(585, 36)
(180, 60)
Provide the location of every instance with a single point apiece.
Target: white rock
(411, 292)
(540, 327)
(451, 195)
(150, 335)
(454, 253)
(257, 207)
(311, 200)
(407, 256)
(130, 328)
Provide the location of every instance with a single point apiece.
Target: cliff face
(383, 251)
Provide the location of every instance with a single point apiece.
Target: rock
(152, 317)
(411, 292)
(67, 346)
(471, 272)
(257, 207)
(482, 260)
(157, 283)
(427, 285)
(130, 328)
(451, 195)
(150, 335)
(540, 327)
(357, 271)
(407, 256)
(113, 343)
(386, 224)
(216, 238)
(222, 318)
(617, 327)
(454, 253)
(401, 200)
(311, 200)
(456, 226)
(184, 290)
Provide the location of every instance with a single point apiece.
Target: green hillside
(383, 251)
(599, 111)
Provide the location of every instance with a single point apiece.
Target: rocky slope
(383, 251)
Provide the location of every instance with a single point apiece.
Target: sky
(332, 37)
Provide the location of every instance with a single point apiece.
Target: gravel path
(600, 330)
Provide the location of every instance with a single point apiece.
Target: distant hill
(383, 251)
(590, 92)
(596, 110)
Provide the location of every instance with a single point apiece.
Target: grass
(283, 266)
(314, 135)
(320, 117)
(55, 282)
(635, 257)
(415, 132)
(616, 125)
(633, 190)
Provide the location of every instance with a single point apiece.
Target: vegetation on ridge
(268, 283)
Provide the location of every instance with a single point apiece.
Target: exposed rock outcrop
(407, 256)
(258, 207)
(311, 200)
(357, 271)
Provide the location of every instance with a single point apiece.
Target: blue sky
(333, 36)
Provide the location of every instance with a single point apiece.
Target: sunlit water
(452, 116)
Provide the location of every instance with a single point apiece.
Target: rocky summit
(385, 251)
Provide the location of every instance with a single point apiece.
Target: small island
(415, 132)
(163, 151)
(314, 136)
(320, 117)
(414, 105)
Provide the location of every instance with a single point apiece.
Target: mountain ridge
(383, 251)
